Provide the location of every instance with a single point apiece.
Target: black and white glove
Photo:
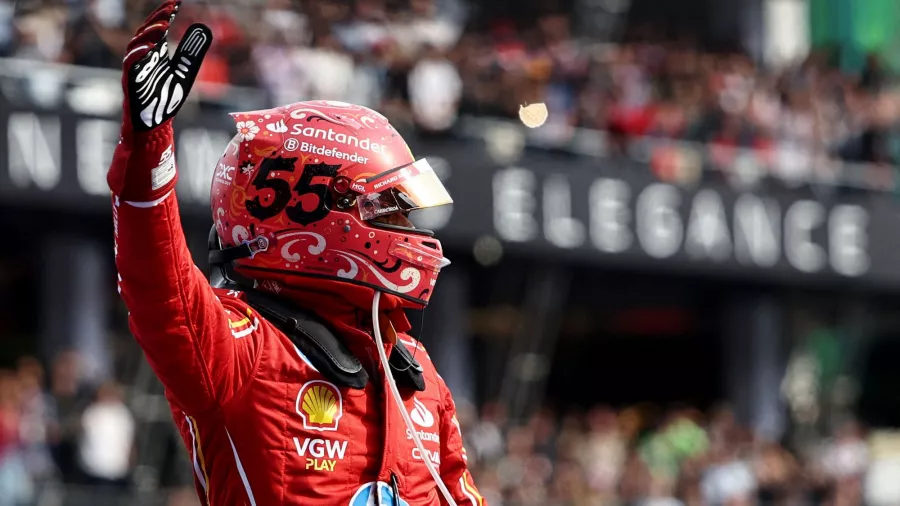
(155, 87)
(156, 83)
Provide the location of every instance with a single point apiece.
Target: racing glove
(155, 86)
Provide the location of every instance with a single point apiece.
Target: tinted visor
(404, 189)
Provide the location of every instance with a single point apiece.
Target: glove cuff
(143, 167)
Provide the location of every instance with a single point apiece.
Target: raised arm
(179, 322)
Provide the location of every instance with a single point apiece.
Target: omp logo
(376, 493)
(421, 415)
(433, 456)
(320, 405)
(318, 450)
(278, 127)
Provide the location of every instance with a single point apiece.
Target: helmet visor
(404, 189)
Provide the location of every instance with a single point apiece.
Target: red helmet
(313, 190)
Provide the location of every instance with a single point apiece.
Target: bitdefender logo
(307, 147)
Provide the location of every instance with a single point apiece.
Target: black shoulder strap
(326, 351)
(315, 340)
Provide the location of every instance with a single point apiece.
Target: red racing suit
(261, 425)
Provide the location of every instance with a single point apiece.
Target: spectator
(107, 439)
(37, 424)
(42, 33)
(847, 456)
(328, 68)
(729, 479)
(15, 483)
(7, 9)
(367, 82)
(100, 37)
(227, 60)
(283, 19)
(275, 54)
(776, 471)
(487, 437)
(423, 28)
(70, 397)
(512, 468)
(604, 451)
(435, 90)
(279, 69)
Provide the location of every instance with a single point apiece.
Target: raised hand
(155, 86)
(154, 83)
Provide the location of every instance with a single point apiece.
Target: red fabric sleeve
(454, 465)
(183, 328)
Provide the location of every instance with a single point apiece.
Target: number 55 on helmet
(321, 190)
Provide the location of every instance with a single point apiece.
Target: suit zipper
(383, 394)
(395, 488)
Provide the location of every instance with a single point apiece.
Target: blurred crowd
(643, 457)
(424, 62)
(54, 430)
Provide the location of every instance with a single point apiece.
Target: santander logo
(336, 136)
(421, 415)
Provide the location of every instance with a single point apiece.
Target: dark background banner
(543, 205)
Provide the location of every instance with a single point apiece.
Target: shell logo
(320, 405)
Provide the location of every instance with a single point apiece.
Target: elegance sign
(664, 221)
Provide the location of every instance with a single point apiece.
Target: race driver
(292, 381)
